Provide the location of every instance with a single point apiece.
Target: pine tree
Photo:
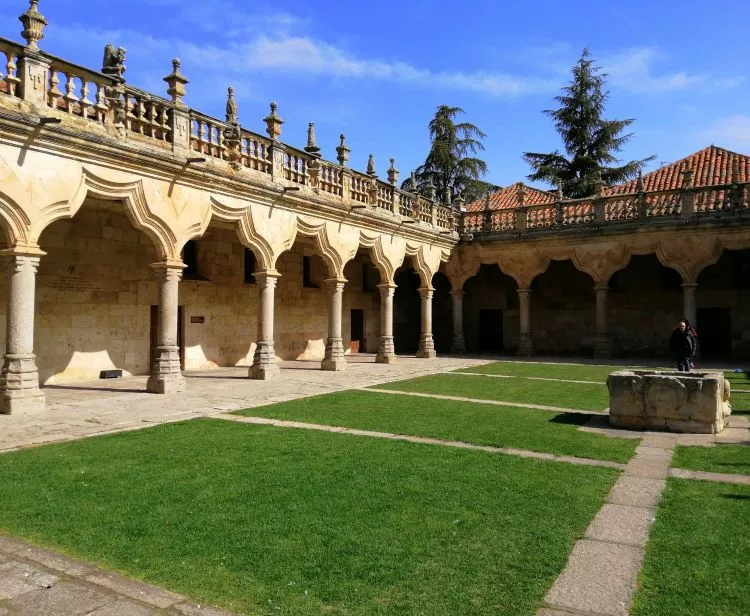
(450, 163)
(590, 141)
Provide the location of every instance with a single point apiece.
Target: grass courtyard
(267, 520)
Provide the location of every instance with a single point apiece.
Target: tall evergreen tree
(590, 141)
(451, 163)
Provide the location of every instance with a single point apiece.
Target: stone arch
(242, 217)
(462, 265)
(524, 266)
(15, 222)
(689, 255)
(335, 257)
(132, 194)
(601, 262)
(383, 259)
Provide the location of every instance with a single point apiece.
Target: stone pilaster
(386, 350)
(688, 302)
(525, 346)
(603, 341)
(458, 344)
(334, 355)
(166, 374)
(426, 344)
(264, 360)
(19, 378)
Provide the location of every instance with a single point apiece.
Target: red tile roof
(507, 198)
(711, 165)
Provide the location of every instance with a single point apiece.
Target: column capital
(266, 275)
(426, 291)
(387, 288)
(23, 251)
(523, 290)
(335, 284)
(458, 292)
(603, 286)
(689, 285)
(168, 265)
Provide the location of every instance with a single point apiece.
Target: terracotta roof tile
(710, 166)
(507, 198)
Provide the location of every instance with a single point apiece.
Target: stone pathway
(530, 378)
(103, 406)
(601, 574)
(40, 582)
(538, 407)
(524, 453)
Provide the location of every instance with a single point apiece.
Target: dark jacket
(681, 343)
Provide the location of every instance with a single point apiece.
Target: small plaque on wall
(197, 319)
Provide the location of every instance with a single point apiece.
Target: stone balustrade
(108, 104)
(683, 204)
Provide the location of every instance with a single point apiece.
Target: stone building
(144, 236)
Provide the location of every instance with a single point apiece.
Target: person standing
(681, 344)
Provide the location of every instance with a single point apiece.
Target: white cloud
(730, 131)
(632, 70)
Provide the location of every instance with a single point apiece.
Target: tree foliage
(451, 162)
(590, 141)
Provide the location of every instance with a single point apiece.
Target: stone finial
(232, 111)
(312, 146)
(113, 63)
(459, 202)
(488, 200)
(598, 186)
(447, 195)
(33, 25)
(176, 82)
(560, 195)
(639, 182)
(393, 172)
(273, 123)
(430, 189)
(521, 194)
(342, 151)
(371, 166)
(736, 171)
(687, 177)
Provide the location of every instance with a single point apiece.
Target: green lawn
(588, 397)
(697, 560)
(264, 520)
(481, 424)
(719, 459)
(738, 380)
(740, 404)
(577, 372)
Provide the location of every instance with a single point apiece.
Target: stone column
(525, 346)
(334, 355)
(426, 344)
(19, 378)
(459, 344)
(386, 350)
(264, 360)
(603, 341)
(166, 374)
(688, 302)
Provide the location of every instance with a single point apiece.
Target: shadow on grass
(739, 497)
(571, 419)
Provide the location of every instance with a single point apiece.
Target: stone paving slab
(682, 473)
(636, 491)
(524, 453)
(622, 524)
(606, 571)
(734, 436)
(652, 468)
(146, 593)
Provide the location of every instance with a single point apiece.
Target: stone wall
(490, 289)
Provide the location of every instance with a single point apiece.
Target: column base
(264, 366)
(334, 359)
(166, 375)
(386, 351)
(525, 347)
(426, 348)
(458, 345)
(603, 346)
(19, 385)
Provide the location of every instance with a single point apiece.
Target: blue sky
(377, 70)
